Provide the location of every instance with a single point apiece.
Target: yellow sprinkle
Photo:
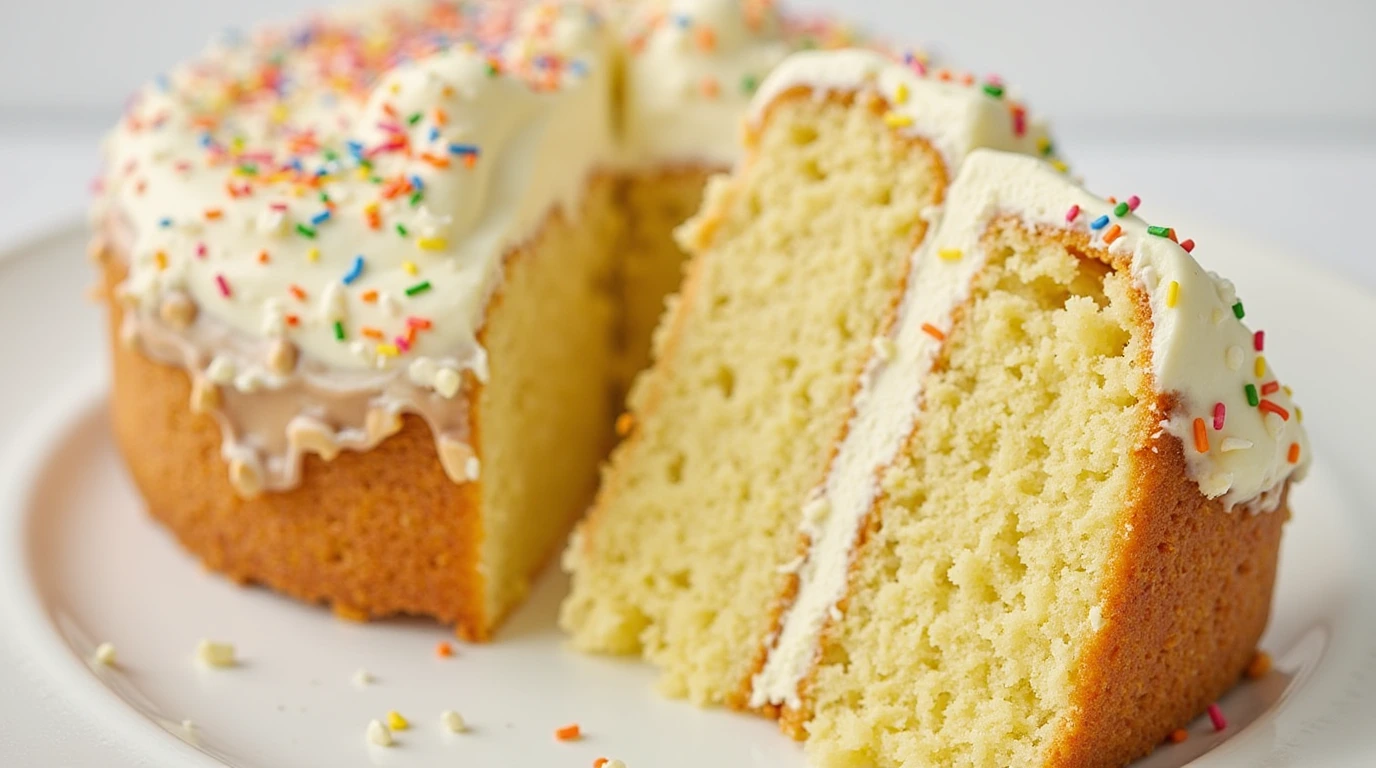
(371, 208)
(1260, 369)
(1060, 165)
(161, 258)
(432, 243)
(900, 94)
(362, 173)
(950, 254)
(396, 722)
(896, 120)
(1043, 144)
(410, 267)
(388, 350)
(279, 113)
(1173, 294)
(313, 254)
(1288, 391)
(1299, 414)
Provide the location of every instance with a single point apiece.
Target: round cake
(942, 460)
(378, 279)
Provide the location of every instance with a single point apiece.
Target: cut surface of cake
(379, 279)
(1027, 512)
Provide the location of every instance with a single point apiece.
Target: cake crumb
(1260, 665)
(396, 722)
(453, 721)
(105, 654)
(379, 735)
(570, 732)
(361, 678)
(215, 654)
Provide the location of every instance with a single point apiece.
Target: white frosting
(1194, 334)
(693, 67)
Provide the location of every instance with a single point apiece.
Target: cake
(987, 473)
(377, 280)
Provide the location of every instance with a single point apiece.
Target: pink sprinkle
(919, 68)
(1072, 213)
(279, 207)
(403, 344)
(1217, 718)
(224, 285)
(1133, 202)
(1259, 340)
(200, 250)
(1219, 413)
(994, 80)
(1188, 245)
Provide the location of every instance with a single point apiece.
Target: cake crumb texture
(797, 262)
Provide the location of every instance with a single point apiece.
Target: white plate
(81, 564)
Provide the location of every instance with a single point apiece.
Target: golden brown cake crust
(372, 534)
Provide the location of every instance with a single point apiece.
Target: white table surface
(1312, 198)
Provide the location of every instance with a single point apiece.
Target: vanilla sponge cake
(1038, 527)
(802, 258)
(378, 278)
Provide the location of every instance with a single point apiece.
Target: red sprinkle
(1270, 388)
(1259, 340)
(224, 286)
(1188, 245)
(1220, 412)
(1217, 718)
(1072, 213)
(1270, 407)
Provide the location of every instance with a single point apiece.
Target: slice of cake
(1039, 528)
(803, 258)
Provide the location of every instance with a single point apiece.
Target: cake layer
(800, 260)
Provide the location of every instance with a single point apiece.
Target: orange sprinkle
(435, 160)
(470, 160)
(213, 214)
(1294, 455)
(390, 110)
(297, 291)
(371, 332)
(161, 258)
(1270, 407)
(933, 331)
(624, 424)
(444, 650)
(1179, 735)
(293, 320)
(263, 257)
(710, 87)
(1260, 664)
(1114, 232)
(569, 732)
(1270, 388)
(419, 322)
(599, 762)
(441, 118)
(706, 39)
(369, 295)
(1201, 436)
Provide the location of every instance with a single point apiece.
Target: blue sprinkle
(207, 140)
(463, 149)
(354, 271)
(320, 218)
(1099, 223)
(355, 148)
(163, 83)
(295, 165)
(164, 223)
(417, 183)
(683, 20)
(434, 134)
(579, 67)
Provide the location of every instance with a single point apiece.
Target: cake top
(1241, 431)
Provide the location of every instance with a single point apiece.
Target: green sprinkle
(305, 231)
(418, 288)
(331, 155)
(994, 89)
(375, 179)
(416, 197)
(324, 198)
(248, 169)
(491, 70)
(1047, 147)
(1159, 231)
(413, 118)
(1237, 310)
(338, 330)
(401, 230)
(1252, 398)
(807, 43)
(1120, 209)
(750, 83)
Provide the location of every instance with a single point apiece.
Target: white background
(1262, 112)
